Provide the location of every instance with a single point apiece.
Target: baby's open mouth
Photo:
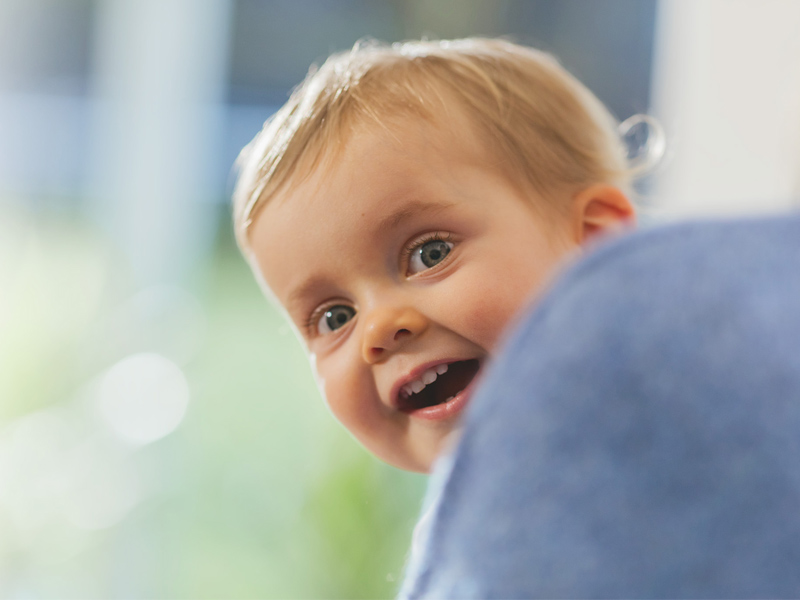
(437, 385)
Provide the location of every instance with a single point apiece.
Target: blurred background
(160, 432)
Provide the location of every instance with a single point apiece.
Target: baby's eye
(428, 254)
(334, 318)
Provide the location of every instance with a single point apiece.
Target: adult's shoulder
(637, 437)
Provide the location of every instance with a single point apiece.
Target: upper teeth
(427, 378)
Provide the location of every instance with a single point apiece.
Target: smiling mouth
(449, 381)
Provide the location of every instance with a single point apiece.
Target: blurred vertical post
(726, 87)
(159, 82)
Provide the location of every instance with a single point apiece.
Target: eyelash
(316, 315)
(418, 243)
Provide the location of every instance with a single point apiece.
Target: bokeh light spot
(143, 397)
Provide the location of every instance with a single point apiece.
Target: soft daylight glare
(107, 487)
(60, 478)
(143, 397)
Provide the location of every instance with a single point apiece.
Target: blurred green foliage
(258, 493)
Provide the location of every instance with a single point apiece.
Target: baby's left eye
(428, 254)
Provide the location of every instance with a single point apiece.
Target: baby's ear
(601, 209)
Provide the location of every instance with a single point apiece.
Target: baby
(405, 204)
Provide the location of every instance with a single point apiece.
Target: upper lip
(415, 374)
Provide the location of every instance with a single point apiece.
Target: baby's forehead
(381, 175)
(450, 131)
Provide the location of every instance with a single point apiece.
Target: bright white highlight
(143, 398)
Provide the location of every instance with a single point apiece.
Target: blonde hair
(548, 127)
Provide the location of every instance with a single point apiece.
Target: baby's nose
(389, 328)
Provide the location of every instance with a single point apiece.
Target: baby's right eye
(334, 317)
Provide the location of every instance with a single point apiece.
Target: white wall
(726, 88)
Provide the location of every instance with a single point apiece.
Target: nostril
(401, 333)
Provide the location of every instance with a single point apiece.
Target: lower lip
(446, 410)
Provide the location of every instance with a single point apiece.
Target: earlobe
(601, 209)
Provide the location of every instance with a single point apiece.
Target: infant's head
(405, 204)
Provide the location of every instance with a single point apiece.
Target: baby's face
(401, 266)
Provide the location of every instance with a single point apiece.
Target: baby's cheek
(494, 309)
(345, 390)
(312, 360)
(488, 318)
(326, 384)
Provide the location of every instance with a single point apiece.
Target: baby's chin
(422, 457)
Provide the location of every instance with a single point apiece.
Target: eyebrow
(408, 210)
